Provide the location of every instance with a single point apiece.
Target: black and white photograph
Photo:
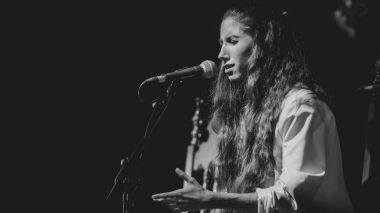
(263, 106)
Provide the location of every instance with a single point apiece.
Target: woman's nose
(222, 53)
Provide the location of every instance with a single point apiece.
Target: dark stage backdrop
(81, 115)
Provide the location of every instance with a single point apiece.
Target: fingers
(175, 205)
(178, 200)
(171, 194)
(185, 176)
(170, 203)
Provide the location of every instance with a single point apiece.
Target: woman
(279, 148)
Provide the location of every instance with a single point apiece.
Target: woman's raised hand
(192, 197)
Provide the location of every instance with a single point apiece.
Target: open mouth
(228, 69)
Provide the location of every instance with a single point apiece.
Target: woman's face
(236, 48)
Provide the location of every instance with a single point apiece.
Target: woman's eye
(232, 40)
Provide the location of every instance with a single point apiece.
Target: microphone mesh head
(210, 69)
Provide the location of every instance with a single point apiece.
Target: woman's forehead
(230, 25)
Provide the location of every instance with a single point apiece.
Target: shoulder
(297, 98)
(302, 102)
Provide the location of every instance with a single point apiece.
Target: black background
(74, 107)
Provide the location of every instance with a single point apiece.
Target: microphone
(206, 69)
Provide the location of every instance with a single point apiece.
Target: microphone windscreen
(210, 69)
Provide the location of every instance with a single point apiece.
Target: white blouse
(310, 178)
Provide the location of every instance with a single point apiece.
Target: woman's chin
(234, 78)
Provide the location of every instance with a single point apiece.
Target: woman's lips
(228, 69)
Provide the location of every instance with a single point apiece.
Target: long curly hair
(245, 113)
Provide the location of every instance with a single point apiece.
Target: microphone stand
(129, 174)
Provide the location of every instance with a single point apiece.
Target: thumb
(185, 176)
